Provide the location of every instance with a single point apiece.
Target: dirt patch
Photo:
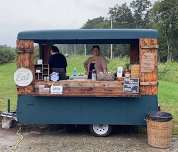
(43, 140)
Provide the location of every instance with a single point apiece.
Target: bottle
(75, 73)
(127, 73)
(119, 72)
(93, 77)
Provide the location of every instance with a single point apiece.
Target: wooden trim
(24, 50)
(149, 83)
(84, 95)
(150, 47)
(148, 43)
(25, 45)
(82, 83)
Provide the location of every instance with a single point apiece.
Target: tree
(7, 54)
(98, 23)
(121, 16)
(140, 10)
(165, 18)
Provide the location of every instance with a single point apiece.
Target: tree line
(7, 54)
(161, 15)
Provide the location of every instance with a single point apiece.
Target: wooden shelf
(45, 71)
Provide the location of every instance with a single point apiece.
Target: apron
(91, 68)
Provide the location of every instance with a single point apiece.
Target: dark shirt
(57, 61)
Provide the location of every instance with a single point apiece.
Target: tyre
(100, 130)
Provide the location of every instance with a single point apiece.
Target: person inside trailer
(96, 62)
(57, 62)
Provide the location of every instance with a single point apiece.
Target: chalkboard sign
(131, 85)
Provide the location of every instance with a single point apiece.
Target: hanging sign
(23, 77)
(147, 62)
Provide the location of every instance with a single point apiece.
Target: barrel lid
(160, 116)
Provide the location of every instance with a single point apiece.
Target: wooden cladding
(148, 66)
(148, 90)
(25, 90)
(25, 49)
(148, 77)
(83, 83)
(24, 60)
(86, 88)
(149, 43)
(24, 45)
(24, 56)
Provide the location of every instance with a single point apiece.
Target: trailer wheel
(100, 130)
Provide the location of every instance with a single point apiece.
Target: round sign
(23, 77)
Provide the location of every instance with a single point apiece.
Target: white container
(56, 89)
(93, 76)
(38, 71)
(119, 72)
(41, 86)
(6, 123)
(39, 61)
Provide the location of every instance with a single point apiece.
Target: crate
(135, 71)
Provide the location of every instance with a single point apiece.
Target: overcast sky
(20, 15)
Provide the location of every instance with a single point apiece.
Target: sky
(20, 15)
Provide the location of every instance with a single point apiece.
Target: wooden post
(134, 52)
(148, 67)
(45, 53)
(25, 50)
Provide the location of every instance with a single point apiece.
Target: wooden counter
(86, 88)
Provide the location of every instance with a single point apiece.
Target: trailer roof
(87, 35)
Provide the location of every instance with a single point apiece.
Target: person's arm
(50, 61)
(86, 65)
(104, 64)
(65, 61)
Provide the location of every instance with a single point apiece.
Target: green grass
(168, 71)
(76, 61)
(168, 100)
(168, 84)
(7, 85)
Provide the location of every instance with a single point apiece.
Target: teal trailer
(98, 111)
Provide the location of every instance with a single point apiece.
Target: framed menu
(147, 62)
(131, 85)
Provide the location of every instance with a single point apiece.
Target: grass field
(168, 84)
